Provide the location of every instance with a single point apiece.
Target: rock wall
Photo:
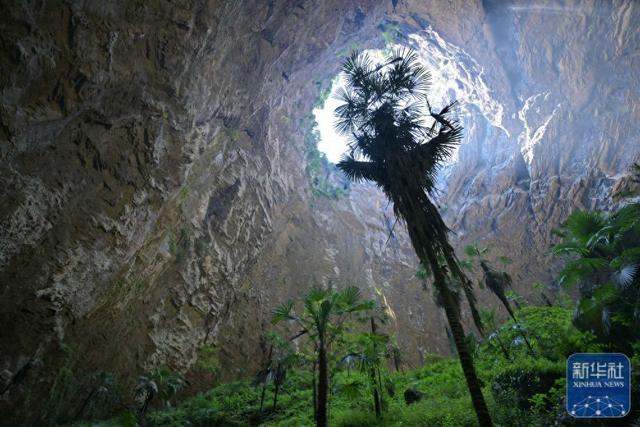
(152, 171)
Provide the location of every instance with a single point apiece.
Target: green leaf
(505, 260)
(581, 268)
(627, 217)
(627, 256)
(583, 225)
(471, 250)
(423, 272)
(282, 313)
(605, 294)
(570, 248)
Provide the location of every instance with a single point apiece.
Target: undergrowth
(521, 391)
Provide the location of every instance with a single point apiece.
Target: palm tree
(371, 355)
(160, 382)
(281, 357)
(605, 263)
(383, 114)
(323, 319)
(498, 282)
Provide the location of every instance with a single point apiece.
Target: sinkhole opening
(454, 75)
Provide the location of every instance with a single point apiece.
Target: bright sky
(331, 143)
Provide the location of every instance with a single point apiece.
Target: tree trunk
(380, 397)
(502, 347)
(275, 397)
(428, 234)
(522, 334)
(374, 381)
(264, 389)
(264, 384)
(466, 361)
(323, 386)
(376, 396)
(315, 392)
(84, 403)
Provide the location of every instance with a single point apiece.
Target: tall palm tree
(383, 114)
(325, 312)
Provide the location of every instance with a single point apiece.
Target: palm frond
(438, 149)
(626, 275)
(349, 296)
(359, 170)
(357, 67)
(571, 247)
(627, 256)
(407, 76)
(497, 283)
(581, 268)
(282, 313)
(583, 225)
(627, 217)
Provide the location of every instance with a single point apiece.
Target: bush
(353, 418)
(514, 388)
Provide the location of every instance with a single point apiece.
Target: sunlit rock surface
(153, 185)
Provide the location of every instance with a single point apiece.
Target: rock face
(153, 185)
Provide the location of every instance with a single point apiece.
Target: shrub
(514, 387)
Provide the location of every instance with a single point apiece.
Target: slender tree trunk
(522, 334)
(275, 397)
(380, 396)
(84, 403)
(464, 355)
(264, 389)
(323, 386)
(315, 392)
(428, 232)
(546, 299)
(264, 384)
(502, 347)
(450, 340)
(376, 396)
(374, 381)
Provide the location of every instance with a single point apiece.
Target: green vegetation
(323, 320)
(208, 360)
(389, 34)
(365, 386)
(159, 384)
(522, 391)
(184, 195)
(604, 251)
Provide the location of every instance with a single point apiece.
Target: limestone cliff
(152, 169)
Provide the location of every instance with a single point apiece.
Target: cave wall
(154, 195)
